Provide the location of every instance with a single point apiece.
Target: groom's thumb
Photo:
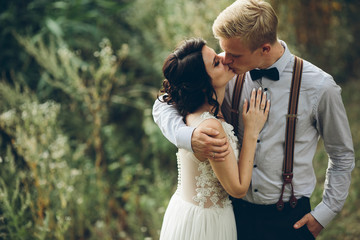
(301, 222)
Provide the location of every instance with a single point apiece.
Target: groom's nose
(227, 59)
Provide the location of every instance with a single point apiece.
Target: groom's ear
(265, 48)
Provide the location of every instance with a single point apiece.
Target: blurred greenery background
(80, 156)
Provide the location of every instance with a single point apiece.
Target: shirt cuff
(183, 138)
(323, 214)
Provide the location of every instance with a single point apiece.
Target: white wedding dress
(200, 209)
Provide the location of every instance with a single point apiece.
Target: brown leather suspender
(291, 119)
(236, 101)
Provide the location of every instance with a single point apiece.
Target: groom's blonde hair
(253, 21)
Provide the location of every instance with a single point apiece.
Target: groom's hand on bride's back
(205, 144)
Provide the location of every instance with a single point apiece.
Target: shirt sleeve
(333, 126)
(172, 125)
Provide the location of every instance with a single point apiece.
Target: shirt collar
(282, 62)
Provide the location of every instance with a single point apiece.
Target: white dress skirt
(200, 209)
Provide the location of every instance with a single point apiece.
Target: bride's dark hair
(187, 84)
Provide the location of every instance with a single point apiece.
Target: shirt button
(255, 190)
(258, 140)
(255, 166)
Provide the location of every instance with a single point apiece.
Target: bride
(195, 81)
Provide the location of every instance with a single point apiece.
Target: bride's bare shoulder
(212, 123)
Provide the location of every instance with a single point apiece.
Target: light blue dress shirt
(321, 113)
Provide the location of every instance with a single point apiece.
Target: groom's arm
(172, 125)
(333, 126)
(199, 140)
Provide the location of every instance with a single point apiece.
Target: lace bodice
(197, 182)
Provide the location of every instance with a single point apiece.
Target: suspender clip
(291, 115)
(287, 177)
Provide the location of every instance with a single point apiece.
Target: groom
(247, 32)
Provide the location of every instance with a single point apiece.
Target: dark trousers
(265, 222)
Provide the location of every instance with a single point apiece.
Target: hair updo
(187, 84)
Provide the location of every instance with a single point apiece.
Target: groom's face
(239, 57)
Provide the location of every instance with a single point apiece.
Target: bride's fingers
(263, 102)
(258, 98)
(267, 108)
(252, 98)
(245, 107)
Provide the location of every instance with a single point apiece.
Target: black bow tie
(271, 73)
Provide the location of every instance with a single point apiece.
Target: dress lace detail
(208, 187)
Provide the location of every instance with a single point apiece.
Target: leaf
(54, 27)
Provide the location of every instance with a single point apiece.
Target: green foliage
(32, 189)
(163, 24)
(15, 203)
(322, 32)
(80, 155)
(67, 168)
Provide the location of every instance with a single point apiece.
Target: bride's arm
(236, 177)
